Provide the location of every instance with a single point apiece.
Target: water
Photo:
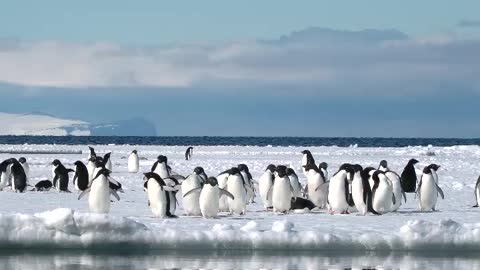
(240, 141)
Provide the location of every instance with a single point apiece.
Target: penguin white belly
(133, 163)
(157, 199)
(382, 201)
(223, 200)
(357, 195)
(108, 165)
(161, 170)
(265, 184)
(94, 173)
(281, 195)
(397, 190)
(297, 188)
(237, 189)
(319, 196)
(4, 178)
(428, 194)
(209, 201)
(99, 198)
(191, 205)
(336, 195)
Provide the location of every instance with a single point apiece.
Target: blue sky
(274, 68)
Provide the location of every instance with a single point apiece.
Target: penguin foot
(475, 206)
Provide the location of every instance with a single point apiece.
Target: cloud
(318, 60)
(469, 23)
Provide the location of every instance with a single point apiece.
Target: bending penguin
(409, 176)
(265, 184)
(189, 153)
(133, 162)
(60, 176)
(428, 190)
(81, 177)
(157, 192)
(192, 185)
(99, 193)
(209, 197)
(44, 185)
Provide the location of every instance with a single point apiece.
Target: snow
(51, 220)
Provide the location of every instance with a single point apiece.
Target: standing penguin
(324, 169)
(157, 192)
(19, 183)
(222, 179)
(317, 187)
(81, 178)
(250, 184)
(282, 191)
(60, 178)
(133, 162)
(210, 196)
(192, 184)
(297, 187)
(383, 196)
(428, 190)
(99, 190)
(361, 191)
(397, 189)
(161, 168)
(339, 190)
(383, 166)
(26, 167)
(409, 177)
(477, 192)
(189, 153)
(236, 186)
(5, 172)
(307, 159)
(107, 161)
(264, 186)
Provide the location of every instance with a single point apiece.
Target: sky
(248, 68)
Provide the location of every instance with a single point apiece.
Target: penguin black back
(61, 177)
(81, 175)
(408, 178)
(19, 177)
(188, 153)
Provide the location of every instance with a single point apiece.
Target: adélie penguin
(189, 153)
(307, 159)
(5, 172)
(282, 191)
(192, 184)
(383, 166)
(222, 179)
(297, 187)
(361, 191)
(209, 198)
(250, 183)
(323, 166)
(236, 186)
(44, 185)
(397, 189)
(26, 167)
(264, 186)
(133, 162)
(428, 190)
(339, 190)
(99, 193)
(477, 192)
(81, 177)
(60, 178)
(383, 196)
(317, 186)
(19, 183)
(157, 192)
(409, 176)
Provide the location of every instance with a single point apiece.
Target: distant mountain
(40, 124)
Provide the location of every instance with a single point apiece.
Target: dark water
(241, 141)
(236, 260)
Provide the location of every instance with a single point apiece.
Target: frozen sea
(50, 230)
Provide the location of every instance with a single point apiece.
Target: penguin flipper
(440, 191)
(317, 188)
(404, 196)
(394, 200)
(83, 193)
(223, 192)
(70, 170)
(188, 193)
(269, 193)
(475, 206)
(115, 194)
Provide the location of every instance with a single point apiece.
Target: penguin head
(323, 165)
(413, 161)
(134, 152)
(310, 166)
(434, 167)
(92, 159)
(306, 152)
(212, 181)
(383, 164)
(78, 163)
(376, 176)
(198, 170)
(357, 168)
(242, 167)
(344, 166)
(22, 160)
(367, 172)
(99, 162)
(290, 171)
(150, 175)
(427, 170)
(350, 172)
(105, 172)
(162, 159)
(281, 171)
(56, 162)
(234, 171)
(271, 168)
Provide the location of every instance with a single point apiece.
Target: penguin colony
(351, 189)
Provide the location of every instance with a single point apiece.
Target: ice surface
(59, 220)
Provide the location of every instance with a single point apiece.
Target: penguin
(60, 178)
(250, 184)
(44, 185)
(339, 190)
(324, 168)
(189, 153)
(434, 168)
(193, 182)
(5, 171)
(282, 191)
(99, 193)
(107, 161)
(397, 189)
(317, 187)
(409, 177)
(361, 191)
(26, 167)
(428, 190)
(264, 186)
(91, 167)
(382, 192)
(297, 187)
(81, 178)
(209, 197)
(383, 166)
(301, 203)
(222, 179)
(236, 186)
(307, 159)
(477, 192)
(92, 153)
(157, 192)
(133, 162)
(161, 168)
(19, 183)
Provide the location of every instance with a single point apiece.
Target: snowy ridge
(65, 229)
